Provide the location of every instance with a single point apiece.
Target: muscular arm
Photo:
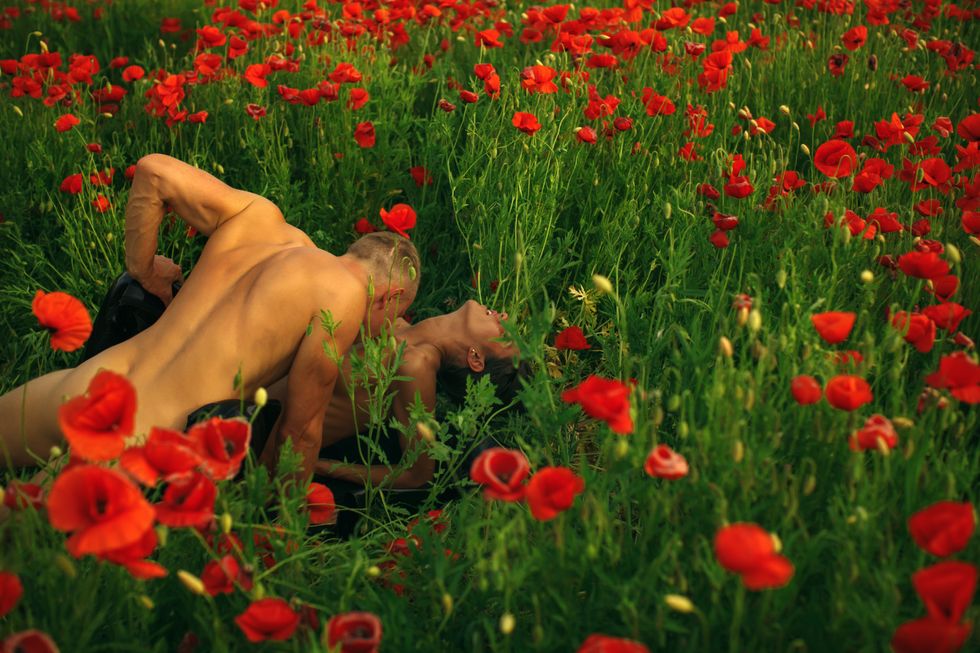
(309, 388)
(201, 200)
(422, 382)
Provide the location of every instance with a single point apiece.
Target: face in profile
(483, 326)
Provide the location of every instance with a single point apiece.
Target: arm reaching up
(201, 200)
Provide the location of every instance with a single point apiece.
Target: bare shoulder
(420, 364)
(331, 286)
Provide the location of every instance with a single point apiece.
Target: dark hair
(503, 373)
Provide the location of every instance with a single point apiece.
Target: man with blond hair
(251, 313)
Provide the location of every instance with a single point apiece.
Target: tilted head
(394, 270)
(482, 353)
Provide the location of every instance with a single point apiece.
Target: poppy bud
(447, 603)
(742, 316)
(44, 46)
(220, 168)
(18, 111)
(65, 564)
(975, 240)
(602, 283)
(425, 432)
(192, 582)
(55, 451)
(744, 113)
(682, 430)
(902, 422)
(783, 109)
(146, 601)
(725, 347)
(755, 320)
(679, 603)
(373, 571)
(804, 149)
(954, 253)
(781, 278)
(738, 451)
(507, 623)
(261, 397)
(777, 544)
(668, 211)
(3, 493)
(867, 276)
(909, 138)
(809, 485)
(226, 523)
(162, 533)
(674, 403)
(622, 448)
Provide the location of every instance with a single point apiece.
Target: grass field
(724, 198)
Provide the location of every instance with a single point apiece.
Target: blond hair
(389, 257)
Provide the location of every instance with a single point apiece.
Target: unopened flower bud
(507, 623)
(953, 252)
(783, 109)
(742, 316)
(56, 451)
(738, 451)
(66, 566)
(226, 523)
(146, 601)
(804, 149)
(867, 276)
(622, 448)
(777, 544)
(882, 446)
(261, 397)
(668, 211)
(425, 432)
(447, 603)
(809, 485)
(602, 283)
(725, 347)
(191, 582)
(679, 603)
(220, 168)
(18, 111)
(909, 138)
(755, 320)
(373, 571)
(902, 422)
(781, 278)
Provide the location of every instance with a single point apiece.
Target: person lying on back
(251, 310)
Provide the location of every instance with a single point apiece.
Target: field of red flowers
(738, 242)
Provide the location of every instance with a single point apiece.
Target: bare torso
(244, 311)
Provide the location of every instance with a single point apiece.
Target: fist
(161, 279)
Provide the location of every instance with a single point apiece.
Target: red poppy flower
(501, 472)
(488, 38)
(526, 122)
(719, 239)
(266, 619)
(255, 111)
(605, 399)
(364, 134)
(943, 528)
(165, 452)
(876, 432)
(928, 635)
(101, 204)
(97, 423)
(855, 37)
(357, 98)
(354, 632)
(664, 462)
(320, 503)
(187, 501)
(806, 389)
(421, 176)
(738, 186)
(29, 641)
(943, 287)
(132, 557)
(960, 375)
(586, 135)
(102, 508)
(66, 122)
(221, 444)
(571, 338)
(946, 588)
(399, 219)
(921, 331)
(969, 128)
(10, 592)
(923, 265)
(598, 643)
(220, 576)
(468, 97)
(749, 551)
(847, 392)
(20, 496)
(199, 117)
(835, 158)
(947, 315)
(552, 490)
(656, 104)
(537, 79)
(65, 317)
(364, 226)
(133, 73)
(970, 221)
(834, 327)
(72, 184)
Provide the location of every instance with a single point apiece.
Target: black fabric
(126, 310)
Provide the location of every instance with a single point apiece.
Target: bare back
(244, 310)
